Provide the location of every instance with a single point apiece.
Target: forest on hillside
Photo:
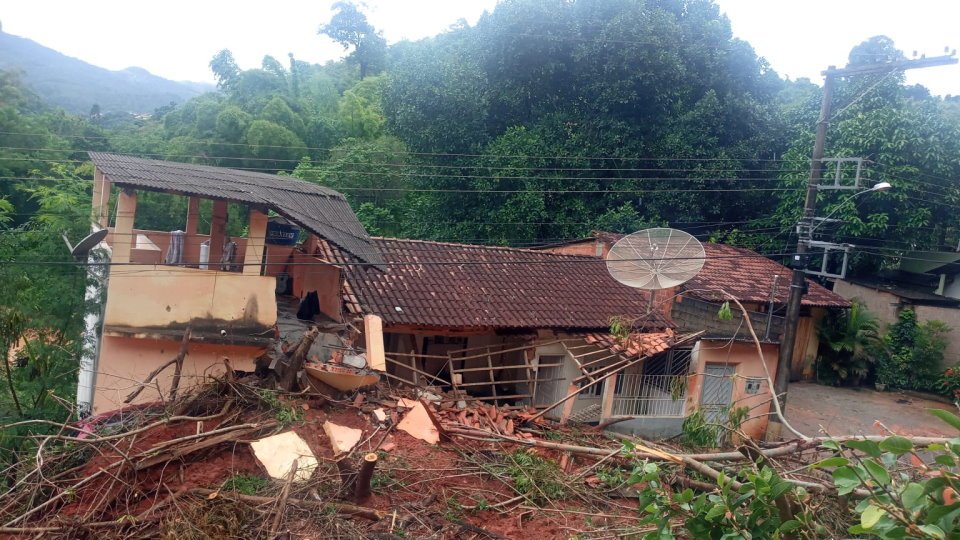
(545, 120)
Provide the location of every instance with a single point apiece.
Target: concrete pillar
(193, 216)
(100, 205)
(191, 243)
(256, 236)
(123, 238)
(97, 190)
(104, 218)
(606, 403)
(218, 232)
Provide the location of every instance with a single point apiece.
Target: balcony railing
(650, 395)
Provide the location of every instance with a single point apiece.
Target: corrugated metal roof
(318, 209)
(442, 284)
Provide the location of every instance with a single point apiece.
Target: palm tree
(851, 338)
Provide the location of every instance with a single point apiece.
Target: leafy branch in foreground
(888, 488)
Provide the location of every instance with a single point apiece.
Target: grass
(539, 479)
(284, 413)
(245, 484)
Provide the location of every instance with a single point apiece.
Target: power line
(395, 152)
(477, 191)
(167, 157)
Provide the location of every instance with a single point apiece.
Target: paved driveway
(849, 411)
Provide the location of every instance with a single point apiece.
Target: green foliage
(949, 383)
(698, 432)
(913, 353)
(724, 314)
(285, 413)
(245, 484)
(538, 478)
(349, 27)
(849, 344)
(748, 509)
(897, 502)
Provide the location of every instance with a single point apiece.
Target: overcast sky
(176, 38)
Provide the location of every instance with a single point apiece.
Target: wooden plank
(415, 370)
(414, 353)
(373, 335)
(495, 368)
(515, 381)
(576, 361)
(493, 381)
(490, 398)
(568, 406)
(597, 361)
(606, 405)
(515, 349)
(599, 351)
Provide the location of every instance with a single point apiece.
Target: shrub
(949, 383)
(914, 353)
(849, 343)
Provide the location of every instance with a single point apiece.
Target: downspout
(95, 299)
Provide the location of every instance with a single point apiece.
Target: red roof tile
(637, 344)
(746, 275)
(749, 278)
(440, 284)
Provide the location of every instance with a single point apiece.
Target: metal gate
(717, 392)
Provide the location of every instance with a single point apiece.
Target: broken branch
(362, 489)
(340, 508)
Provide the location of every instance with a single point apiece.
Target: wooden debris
(340, 508)
(361, 491)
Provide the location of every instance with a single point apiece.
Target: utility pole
(799, 282)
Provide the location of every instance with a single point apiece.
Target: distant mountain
(76, 85)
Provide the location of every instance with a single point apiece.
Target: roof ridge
(488, 247)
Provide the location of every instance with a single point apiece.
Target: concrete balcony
(156, 301)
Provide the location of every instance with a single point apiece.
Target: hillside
(76, 85)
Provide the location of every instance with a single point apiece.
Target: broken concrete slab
(278, 453)
(419, 424)
(342, 438)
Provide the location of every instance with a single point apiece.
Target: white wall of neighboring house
(886, 306)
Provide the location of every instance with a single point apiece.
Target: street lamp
(799, 278)
(879, 186)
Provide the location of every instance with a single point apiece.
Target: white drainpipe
(96, 293)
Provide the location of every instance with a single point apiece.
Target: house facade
(530, 327)
(153, 285)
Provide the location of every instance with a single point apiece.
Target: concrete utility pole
(799, 283)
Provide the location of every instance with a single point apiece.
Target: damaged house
(733, 374)
(504, 326)
(529, 327)
(230, 291)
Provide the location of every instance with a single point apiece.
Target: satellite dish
(654, 259)
(84, 246)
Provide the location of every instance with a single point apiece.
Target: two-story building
(151, 285)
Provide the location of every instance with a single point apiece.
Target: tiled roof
(746, 275)
(749, 278)
(459, 285)
(320, 210)
(637, 344)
